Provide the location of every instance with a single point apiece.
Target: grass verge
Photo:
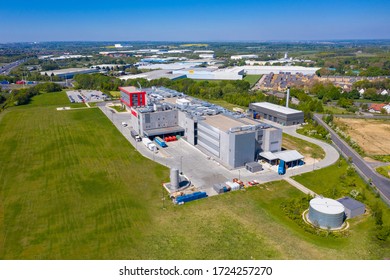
(302, 146)
(384, 171)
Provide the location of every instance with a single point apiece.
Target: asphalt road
(382, 183)
(6, 69)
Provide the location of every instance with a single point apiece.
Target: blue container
(190, 197)
(282, 168)
(254, 115)
(160, 142)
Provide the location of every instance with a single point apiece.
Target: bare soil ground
(371, 135)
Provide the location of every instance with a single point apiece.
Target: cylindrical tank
(175, 179)
(326, 212)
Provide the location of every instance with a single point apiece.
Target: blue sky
(189, 20)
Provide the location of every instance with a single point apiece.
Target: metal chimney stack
(288, 96)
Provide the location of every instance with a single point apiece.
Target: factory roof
(277, 69)
(278, 108)
(326, 205)
(253, 164)
(268, 155)
(153, 75)
(350, 203)
(69, 70)
(222, 122)
(289, 155)
(170, 66)
(130, 89)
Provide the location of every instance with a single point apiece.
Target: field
(73, 188)
(309, 150)
(252, 79)
(336, 110)
(115, 93)
(371, 135)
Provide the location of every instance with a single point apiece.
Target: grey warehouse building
(276, 113)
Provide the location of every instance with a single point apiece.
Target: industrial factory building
(132, 97)
(231, 138)
(70, 72)
(211, 73)
(276, 113)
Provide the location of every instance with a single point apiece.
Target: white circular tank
(326, 212)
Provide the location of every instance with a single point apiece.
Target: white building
(211, 73)
(206, 55)
(204, 51)
(261, 70)
(387, 108)
(243, 56)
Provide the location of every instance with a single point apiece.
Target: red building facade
(132, 97)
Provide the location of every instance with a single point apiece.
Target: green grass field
(115, 93)
(336, 110)
(72, 187)
(302, 146)
(252, 79)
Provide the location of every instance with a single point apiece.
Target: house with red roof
(376, 107)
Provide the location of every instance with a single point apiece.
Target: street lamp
(181, 164)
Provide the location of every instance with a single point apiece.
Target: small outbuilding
(253, 167)
(352, 207)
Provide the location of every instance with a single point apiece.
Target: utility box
(253, 167)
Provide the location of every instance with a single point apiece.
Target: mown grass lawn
(305, 148)
(71, 187)
(252, 79)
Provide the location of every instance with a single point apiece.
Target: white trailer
(149, 144)
(146, 141)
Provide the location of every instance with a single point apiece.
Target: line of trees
(23, 96)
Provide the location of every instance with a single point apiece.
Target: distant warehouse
(70, 72)
(276, 113)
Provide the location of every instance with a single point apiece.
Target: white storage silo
(326, 212)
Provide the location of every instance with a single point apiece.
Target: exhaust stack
(288, 96)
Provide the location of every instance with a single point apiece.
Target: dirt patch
(371, 135)
(368, 159)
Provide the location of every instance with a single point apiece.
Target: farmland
(371, 135)
(73, 188)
